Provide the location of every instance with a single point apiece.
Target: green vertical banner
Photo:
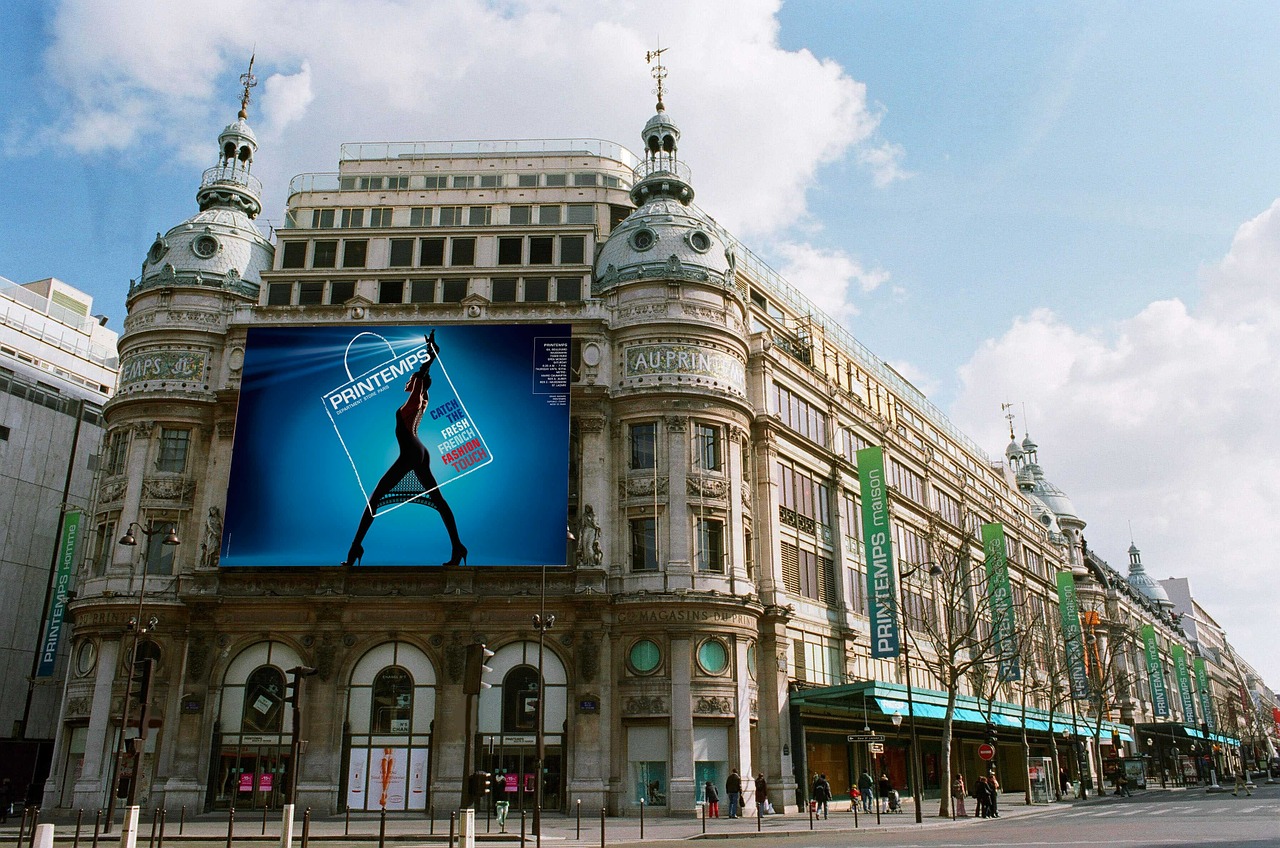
(1004, 622)
(1155, 675)
(57, 611)
(1206, 695)
(1184, 683)
(882, 596)
(1069, 609)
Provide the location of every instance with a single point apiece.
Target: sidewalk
(210, 829)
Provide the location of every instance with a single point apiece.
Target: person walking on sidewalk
(995, 793)
(762, 795)
(957, 795)
(1242, 782)
(883, 788)
(822, 794)
(865, 785)
(733, 788)
(982, 794)
(712, 798)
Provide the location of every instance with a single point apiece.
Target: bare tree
(1108, 646)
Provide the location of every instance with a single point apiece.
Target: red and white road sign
(986, 751)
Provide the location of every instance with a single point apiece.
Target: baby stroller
(895, 801)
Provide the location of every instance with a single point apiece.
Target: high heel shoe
(459, 555)
(354, 555)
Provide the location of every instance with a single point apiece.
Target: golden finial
(248, 80)
(654, 57)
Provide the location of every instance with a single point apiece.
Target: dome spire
(659, 71)
(248, 80)
(229, 182)
(661, 174)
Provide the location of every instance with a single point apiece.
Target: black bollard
(306, 827)
(579, 834)
(182, 819)
(642, 819)
(876, 800)
(231, 825)
(433, 819)
(97, 825)
(155, 821)
(22, 828)
(523, 819)
(79, 820)
(855, 814)
(382, 829)
(164, 816)
(35, 821)
(264, 819)
(602, 810)
(811, 811)
(453, 821)
(704, 816)
(346, 828)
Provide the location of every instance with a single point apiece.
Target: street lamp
(138, 627)
(934, 571)
(542, 623)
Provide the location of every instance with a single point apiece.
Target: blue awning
(970, 716)
(888, 706)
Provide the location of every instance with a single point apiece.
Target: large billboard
(400, 446)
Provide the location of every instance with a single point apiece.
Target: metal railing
(232, 174)
(396, 150)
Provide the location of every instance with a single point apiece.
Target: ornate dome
(1145, 583)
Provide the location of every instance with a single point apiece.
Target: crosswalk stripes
(1127, 810)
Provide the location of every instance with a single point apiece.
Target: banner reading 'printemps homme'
(882, 599)
(1004, 622)
(1184, 683)
(1155, 675)
(1206, 697)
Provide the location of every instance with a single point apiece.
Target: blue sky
(1063, 205)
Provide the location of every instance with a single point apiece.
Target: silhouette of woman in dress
(413, 459)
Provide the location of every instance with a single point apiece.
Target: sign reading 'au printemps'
(1069, 608)
(882, 599)
(1184, 683)
(181, 365)
(687, 360)
(1004, 622)
(1155, 675)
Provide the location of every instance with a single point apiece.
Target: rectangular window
(710, 553)
(854, 442)
(353, 253)
(557, 180)
(462, 251)
(908, 483)
(460, 181)
(504, 290)
(510, 251)
(104, 544)
(707, 448)
(803, 501)
(948, 507)
(450, 216)
(159, 555)
(644, 544)
(325, 254)
(435, 182)
(478, 216)
(580, 213)
(422, 291)
(322, 219)
(643, 441)
(528, 181)
(173, 450)
(279, 294)
(370, 183)
(586, 179)
(340, 291)
(453, 291)
(420, 216)
(380, 217)
(521, 215)
(295, 255)
(352, 218)
(115, 453)
(398, 183)
(391, 291)
(548, 214)
(346, 184)
(535, 289)
(491, 181)
(569, 289)
(310, 293)
(800, 415)
(572, 250)
(431, 253)
(540, 250)
(401, 253)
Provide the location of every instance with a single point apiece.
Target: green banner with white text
(882, 597)
(1069, 608)
(1206, 695)
(1155, 675)
(57, 611)
(1004, 622)
(1184, 683)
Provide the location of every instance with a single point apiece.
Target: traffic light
(991, 734)
(473, 680)
(140, 688)
(293, 689)
(480, 787)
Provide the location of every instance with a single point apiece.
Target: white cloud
(885, 163)
(1165, 419)
(758, 120)
(828, 277)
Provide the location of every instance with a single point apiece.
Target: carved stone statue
(211, 547)
(589, 552)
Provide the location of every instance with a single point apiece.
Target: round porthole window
(158, 250)
(643, 239)
(644, 657)
(713, 656)
(700, 241)
(86, 658)
(205, 246)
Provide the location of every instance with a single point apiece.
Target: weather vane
(248, 80)
(1008, 414)
(654, 57)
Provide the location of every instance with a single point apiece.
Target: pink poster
(246, 782)
(264, 782)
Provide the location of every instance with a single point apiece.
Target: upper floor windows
(800, 415)
(172, 455)
(643, 439)
(708, 447)
(907, 482)
(804, 503)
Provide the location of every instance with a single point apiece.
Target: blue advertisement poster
(400, 446)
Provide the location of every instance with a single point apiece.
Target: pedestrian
(865, 785)
(982, 794)
(1122, 785)
(712, 797)
(883, 788)
(1064, 782)
(733, 788)
(762, 795)
(995, 793)
(1241, 783)
(822, 795)
(6, 798)
(957, 794)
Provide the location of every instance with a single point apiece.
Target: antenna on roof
(659, 71)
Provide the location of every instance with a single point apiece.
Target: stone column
(91, 787)
(679, 541)
(774, 709)
(682, 793)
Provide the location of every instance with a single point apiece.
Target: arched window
(264, 701)
(520, 700)
(392, 706)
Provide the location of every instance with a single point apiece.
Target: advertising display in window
(339, 429)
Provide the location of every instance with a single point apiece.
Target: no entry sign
(986, 751)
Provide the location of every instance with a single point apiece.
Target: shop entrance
(251, 776)
(513, 761)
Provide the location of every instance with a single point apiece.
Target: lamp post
(934, 571)
(542, 623)
(138, 627)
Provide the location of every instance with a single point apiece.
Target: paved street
(1152, 819)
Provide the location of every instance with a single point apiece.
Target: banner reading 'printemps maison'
(1069, 608)
(1206, 697)
(1004, 622)
(882, 599)
(1184, 683)
(57, 611)
(1155, 675)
